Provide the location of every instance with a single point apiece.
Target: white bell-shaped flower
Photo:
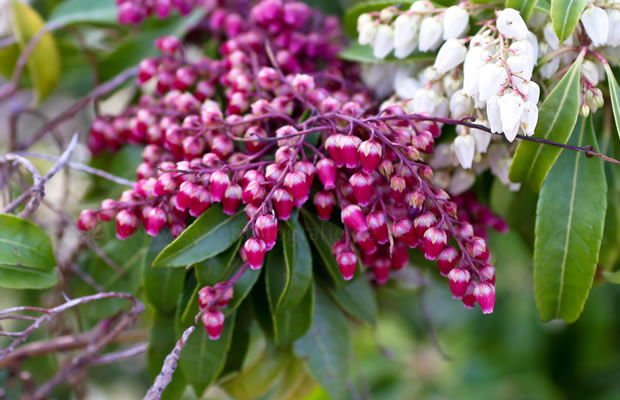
(529, 118)
(511, 25)
(405, 35)
(521, 66)
(455, 22)
(367, 32)
(461, 105)
(474, 61)
(451, 84)
(450, 55)
(405, 85)
(421, 6)
(613, 27)
(590, 72)
(493, 77)
(510, 110)
(533, 40)
(430, 34)
(384, 42)
(482, 138)
(595, 22)
(461, 182)
(443, 107)
(425, 101)
(532, 91)
(550, 36)
(524, 48)
(493, 115)
(464, 147)
(443, 157)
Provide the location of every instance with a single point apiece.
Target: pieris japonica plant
(275, 171)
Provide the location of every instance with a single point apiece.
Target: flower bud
(295, 183)
(255, 252)
(398, 188)
(126, 224)
(232, 198)
(446, 260)
(165, 184)
(511, 25)
(485, 295)
(455, 22)
(381, 269)
(353, 217)
(435, 240)
(254, 193)
(469, 300)
(400, 256)
(430, 34)
(451, 55)
(465, 148)
(459, 279)
(213, 321)
(87, 220)
(283, 203)
(155, 221)
(218, 183)
(405, 232)
(332, 145)
(365, 242)
(478, 249)
(199, 202)
(384, 41)
(377, 225)
(108, 210)
(363, 187)
(370, 155)
(347, 262)
(405, 35)
(266, 227)
(324, 202)
(348, 147)
(487, 274)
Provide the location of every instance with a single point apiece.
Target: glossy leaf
(323, 235)
(162, 339)
(202, 359)
(242, 287)
(525, 7)
(565, 15)
(296, 383)
(556, 119)
(209, 235)
(614, 93)
(44, 61)
(85, 11)
(349, 20)
(240, 341)
(162, 286)
(569, 227)
(356, 298)
(288, 267)
(213, 270)
(291, 324)
(26, 255)
(363, 54)
(326, 347)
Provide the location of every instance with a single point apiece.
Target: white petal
(482, 138)
(590, 72)
(460, 105)
(532, 91)
(510, 109)
(384, 42)
(493, 115)
(550, 68)
(511, 25)
(425, 101)
(455, 22)
(550, 36)
(493, 78)
(367, 33)
(405, 31)
(520, 65)
(464, 148)
(430, 34)
(421, 6)
(529, 118)
(613, 22)
(450, 55)
(461, 181)
(595, 22)
(474, 60)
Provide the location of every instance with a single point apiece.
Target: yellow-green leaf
(44, 61)
(614, 93)
(565, 15)
(556, 119)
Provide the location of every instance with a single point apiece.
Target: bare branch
(120, 355)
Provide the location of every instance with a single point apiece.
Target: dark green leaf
(211, 233)
(213, 270)
(323, 235)
(162, 286)
(363, 54)
(569, 227)
(26, 256)
(240, 341)
(85, 11)
(326, 346)
(349, 21)
(565, 15)
(291, 324)
(288, 269)
(556, 119)
(525, 7)
(202, 359)
(356, 298)
(614, 93)
(242, 287)
(162, 339)
(122, 164)
(329, 7)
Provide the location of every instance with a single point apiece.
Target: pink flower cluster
(238, 131)
(135, 11)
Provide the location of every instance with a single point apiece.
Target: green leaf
(543, 6)
(328, 7)
(213, 270)
(162, 286)
(291, 324)
(556, 119)
(349, 21)
(209, 235)
(296, 383)
(612, 277)
(323, 235)
(240, 341)
(565, 15)
(363, 54)
(202, 359)
(525, 7)
(122, 163)
(326, 346)
(85, 11)
(242, 287)
(162, 339)
(26, 255)
(44, 61)
(569, 227)
(356, 298)
(614, 93)
(288, 267)
(135, 48)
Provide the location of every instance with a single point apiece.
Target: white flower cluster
(422, 27)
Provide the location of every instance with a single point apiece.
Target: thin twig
(36, 178)
(120, 355)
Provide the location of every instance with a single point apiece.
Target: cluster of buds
(256, 150)
(135, 11)
(211, 299)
